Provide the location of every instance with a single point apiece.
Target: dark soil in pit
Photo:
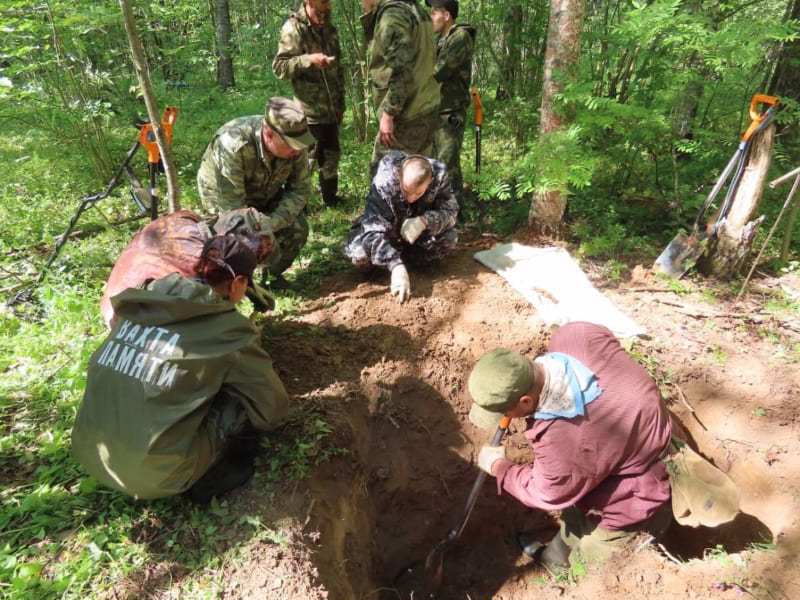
(392, 380)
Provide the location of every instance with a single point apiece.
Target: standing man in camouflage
(309, 56)
(262, 162)
(454, 47)
(400, 36)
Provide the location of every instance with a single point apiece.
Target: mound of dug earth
(392, 380)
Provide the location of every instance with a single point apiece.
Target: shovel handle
(756, 117)
(477, 105)
(497, 438)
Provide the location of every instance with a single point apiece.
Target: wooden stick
(776, 182)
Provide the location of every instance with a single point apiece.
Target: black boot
(233, 470)
(554, 555)
(329, 190)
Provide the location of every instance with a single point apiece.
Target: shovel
(683, 251)
(421, 580)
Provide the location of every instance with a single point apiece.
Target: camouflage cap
(497, 382)
(286, 117)
(450, 6)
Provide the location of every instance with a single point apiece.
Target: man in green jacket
(261, 161)
(178, 381)
(310, 57)
(454, 48)
(400, 36)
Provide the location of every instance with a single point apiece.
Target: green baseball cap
(287, 118)
(497, 382)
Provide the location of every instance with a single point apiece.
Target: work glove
(401, 284)
(489, 455)
(412, 228)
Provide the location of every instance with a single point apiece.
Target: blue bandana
(569, 386)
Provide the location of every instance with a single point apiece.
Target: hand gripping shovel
(420, 581)
(684, 250)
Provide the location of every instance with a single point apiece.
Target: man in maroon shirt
(597, 427)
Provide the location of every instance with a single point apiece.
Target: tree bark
(728, 250)
(222, 32)
(143, 74)
(560, 64)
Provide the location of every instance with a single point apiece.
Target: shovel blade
(681, 254)
(421, 580)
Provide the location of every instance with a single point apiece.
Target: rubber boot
(329, 190)
(554, 555)
(233, 470)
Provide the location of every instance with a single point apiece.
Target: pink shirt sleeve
(547, 484)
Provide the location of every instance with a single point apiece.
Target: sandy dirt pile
(392, 381)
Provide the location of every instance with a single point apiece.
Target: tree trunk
(143, 74)
(726, 253)
(560, 63)
(222, 32)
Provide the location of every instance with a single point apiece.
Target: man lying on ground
(261, 161)
(410, 216)
(601, 437)
(174, 243)
(177, 392)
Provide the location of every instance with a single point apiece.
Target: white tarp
(554, 283)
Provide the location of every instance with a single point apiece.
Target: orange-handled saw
(478, 106)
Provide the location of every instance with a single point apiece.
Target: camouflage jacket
(454, 66)
(401, 61)
(387, 209)
(320, 91)
(237, 171)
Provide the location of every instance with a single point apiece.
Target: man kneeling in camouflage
(410, 216)
(262, 162)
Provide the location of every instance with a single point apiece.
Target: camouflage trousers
(447, 143)
(413, 137)
(226, 418)
(590, 543)
(288, 243)
(427, 249)
(326, 152)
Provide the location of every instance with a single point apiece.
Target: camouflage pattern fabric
(320, 91)
(236, 171)
(447, 142)
(288, 243)
(401, 59)
(592, 544)
(326, 152)
(374, 238)
(454, 66)
(413, 137)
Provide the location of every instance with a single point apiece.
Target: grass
(62, 536)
